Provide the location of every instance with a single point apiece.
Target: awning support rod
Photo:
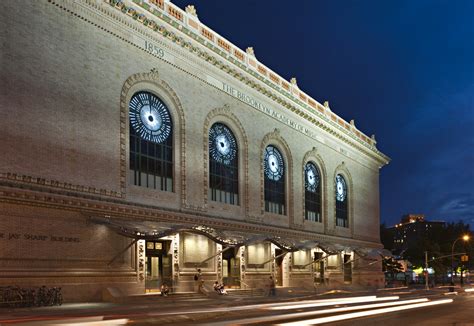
(217, 254)
(316, 261)
(122, 251)
(369, 264)
(276, 257)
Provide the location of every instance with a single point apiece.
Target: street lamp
(464, 238)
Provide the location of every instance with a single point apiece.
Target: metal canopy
(153, 230)
(373, 253)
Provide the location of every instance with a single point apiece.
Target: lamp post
(464, 238)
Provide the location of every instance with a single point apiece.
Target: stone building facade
(108, 174)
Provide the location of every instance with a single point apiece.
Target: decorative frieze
(300, 98)
(124, 209)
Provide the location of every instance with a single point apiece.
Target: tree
(438, 242)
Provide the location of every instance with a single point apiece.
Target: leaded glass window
(312, 193)
(274, 184)
(223, 165)
(341, 201)
(151, 142)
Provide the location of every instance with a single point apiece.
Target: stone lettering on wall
(37, 237)
(261, 107)
(154, 49)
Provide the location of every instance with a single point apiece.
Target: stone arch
(313, 156)
(151, 81)
(275, 138)
(344, 171)
(224, 115)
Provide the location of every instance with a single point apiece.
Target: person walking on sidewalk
(271, 286)
(198, 281)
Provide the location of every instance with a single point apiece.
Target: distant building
(411, 229)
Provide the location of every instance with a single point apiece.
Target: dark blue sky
(403, 69)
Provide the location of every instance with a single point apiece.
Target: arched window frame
(313, 204)
(314, 156)
(224, 115)
(224, 176)
(151, 81)
(275, 191)
(151, 163)
(341, 208)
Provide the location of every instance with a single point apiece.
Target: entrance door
(347, 269)
(279, 267)
(231, 268)
(158, 265)
(319, 268)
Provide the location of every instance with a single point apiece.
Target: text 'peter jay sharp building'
(139, 145)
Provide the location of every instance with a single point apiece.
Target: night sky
(403, 69)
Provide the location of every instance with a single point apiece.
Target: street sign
(464, 258)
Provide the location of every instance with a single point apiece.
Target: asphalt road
(459, 312)
(264, 311)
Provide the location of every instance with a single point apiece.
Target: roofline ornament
(190, 9)
(250, 51)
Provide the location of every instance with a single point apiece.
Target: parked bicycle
(14, 296)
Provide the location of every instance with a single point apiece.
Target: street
(402, 306)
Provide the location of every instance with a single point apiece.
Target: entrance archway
(158, 265)
(231, 268)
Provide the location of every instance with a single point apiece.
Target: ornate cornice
(55, 184)
(137, 16)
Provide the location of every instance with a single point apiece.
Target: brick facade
(69, 70)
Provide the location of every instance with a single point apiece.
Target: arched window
(312, 194)
(151, 142)
(223, 165)
(341, 202)
(274, 170)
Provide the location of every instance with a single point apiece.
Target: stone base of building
(89, 261)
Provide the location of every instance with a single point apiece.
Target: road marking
(365, 313)
(330, 303)
(326, 302)
(268, 319)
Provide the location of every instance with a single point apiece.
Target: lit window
(312, 193)
(341, 202)
(274, 170)
(151, 142)
(223, 165)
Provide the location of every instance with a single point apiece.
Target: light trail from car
(353, 315)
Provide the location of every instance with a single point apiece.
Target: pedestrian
(271, 286)
(219, 288)
(198, 281)
(164, 290)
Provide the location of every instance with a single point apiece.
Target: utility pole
(427, 287)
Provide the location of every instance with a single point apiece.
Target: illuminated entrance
(279, 256)
(319, 267)
(158, 265)
(172, 254)
(231, 267)
(347, 269)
